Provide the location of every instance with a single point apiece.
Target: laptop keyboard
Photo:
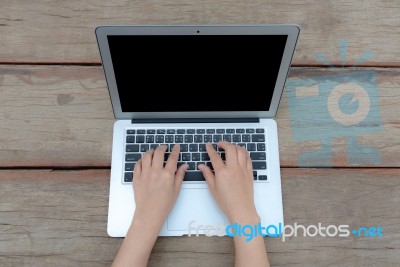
(193, 148)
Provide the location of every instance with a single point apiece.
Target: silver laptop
(192, 85)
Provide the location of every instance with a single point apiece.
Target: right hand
(232, 183)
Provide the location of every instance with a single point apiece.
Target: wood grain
(62, 116)
(63, 31)
(58, 218)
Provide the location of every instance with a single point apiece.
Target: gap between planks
(81, 168)
(90, 64)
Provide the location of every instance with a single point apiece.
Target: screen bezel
(292, 31)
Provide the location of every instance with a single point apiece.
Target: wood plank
(62, 116)
(45, 110)
(51, 218)
(305, 122)
(63, 31)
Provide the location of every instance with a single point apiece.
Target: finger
(209, 175)
(214, 157)
(147, 158)
(179, 176)
(158, 157)
(249, 164)
(230, 152)
(173, 158)
(242, 157)
(137, 171)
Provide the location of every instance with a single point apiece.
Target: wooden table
(56, 131)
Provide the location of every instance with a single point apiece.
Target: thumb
(209, 175)
(179, 175)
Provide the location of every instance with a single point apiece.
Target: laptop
(192, 85)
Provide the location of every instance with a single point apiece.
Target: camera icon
(332, 106)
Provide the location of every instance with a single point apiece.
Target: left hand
(157, 187)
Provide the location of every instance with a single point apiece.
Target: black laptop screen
(196, 72)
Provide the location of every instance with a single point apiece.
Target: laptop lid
(196, 69)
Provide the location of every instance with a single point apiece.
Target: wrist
(249, 217)
(145, 223)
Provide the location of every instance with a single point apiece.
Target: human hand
(232, 183)
(156, 187)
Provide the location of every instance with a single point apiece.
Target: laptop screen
(189, 73)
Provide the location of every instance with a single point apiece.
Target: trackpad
(195, 207)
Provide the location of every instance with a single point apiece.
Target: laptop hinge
(196, 120)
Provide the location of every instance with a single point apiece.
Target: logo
(283, 231)
(341, 104)
(371, 231)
